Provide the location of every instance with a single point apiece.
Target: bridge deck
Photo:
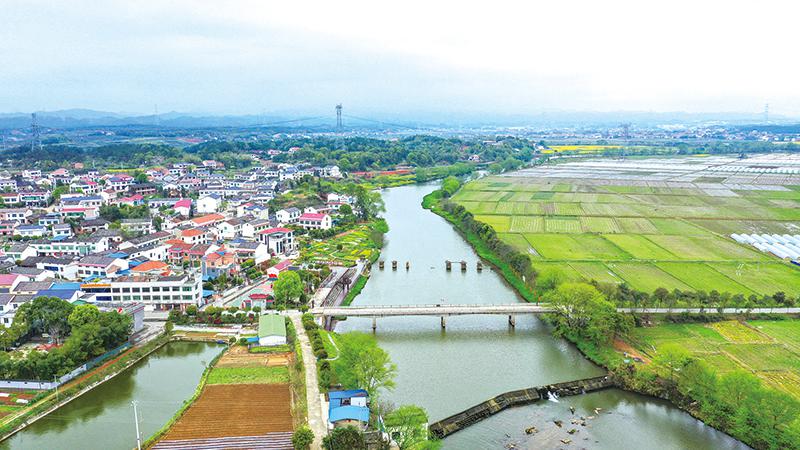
(429, 310)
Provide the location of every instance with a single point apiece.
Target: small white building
(271, 330)
(312, 221)
(209, 204)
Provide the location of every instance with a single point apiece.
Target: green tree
(407, 426)
(82, 315)
(141, 178)
(288, 287)
(302, 438)
(364, 365)
(671, 359)
(450, 185)
(46, 315)
(344, 438)
(582, 310)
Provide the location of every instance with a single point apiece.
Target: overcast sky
(400, 56)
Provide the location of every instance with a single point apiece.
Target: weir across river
(494, 405)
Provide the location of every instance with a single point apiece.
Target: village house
(160, 292)
(29, 231)
(209, 204)
(348, 408)
(100, 266)
(194, 236)
(288, 215)
(120, 183)
(143, 225)
(279, 241)
(311, 221)
(183, 207)
(207, 220)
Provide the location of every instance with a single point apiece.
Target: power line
(382, 122)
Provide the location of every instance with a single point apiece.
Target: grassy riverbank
(708, 373)
(432, 202)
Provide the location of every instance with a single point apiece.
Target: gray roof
(27, 286)
(32, 271)
(96, 260)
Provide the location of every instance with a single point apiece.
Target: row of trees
(88, 331)
(736, 402)
(519, 262)
(362, 154)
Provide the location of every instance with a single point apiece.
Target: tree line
(88, 333)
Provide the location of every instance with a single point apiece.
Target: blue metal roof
(348, 393)
(64, 294)
(360, 413)
(207, 293)
(65, 286)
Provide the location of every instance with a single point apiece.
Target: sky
(401, 57)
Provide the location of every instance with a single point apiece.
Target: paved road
(315, 420)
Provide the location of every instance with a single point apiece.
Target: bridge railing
(440, 305)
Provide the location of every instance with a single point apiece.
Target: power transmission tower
(339, 128)
(36, 138)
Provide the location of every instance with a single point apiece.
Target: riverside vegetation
(735, 400)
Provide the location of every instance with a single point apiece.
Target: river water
(103, 417)
(478, 357)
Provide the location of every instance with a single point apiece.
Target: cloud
(515, 57)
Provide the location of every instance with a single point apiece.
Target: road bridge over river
(511, 310)
(438, 310)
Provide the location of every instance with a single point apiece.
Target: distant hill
(87, 118)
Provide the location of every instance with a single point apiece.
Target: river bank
(479, 357)
(75, 389)
(159, 382)
(626, 375)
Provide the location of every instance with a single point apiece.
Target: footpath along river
(103, 417)
(478, 357)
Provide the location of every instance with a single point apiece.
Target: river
(478, 357)
(103, 417)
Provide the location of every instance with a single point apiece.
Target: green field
(344, 249)
(767, 348)
(248, 375)
(648, 236)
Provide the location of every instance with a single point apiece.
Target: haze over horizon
(249, 57)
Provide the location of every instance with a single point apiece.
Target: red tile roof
(275, 230)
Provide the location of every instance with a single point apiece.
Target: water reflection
(103, 417)
(478, 357)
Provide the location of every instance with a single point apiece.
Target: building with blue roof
(348, 408)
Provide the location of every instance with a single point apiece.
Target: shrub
(302, 438)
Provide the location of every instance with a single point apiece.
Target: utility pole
(136, 419)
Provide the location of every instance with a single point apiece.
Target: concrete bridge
(511, 310)
(438, 310)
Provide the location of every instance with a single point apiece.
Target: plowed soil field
(235, 410)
